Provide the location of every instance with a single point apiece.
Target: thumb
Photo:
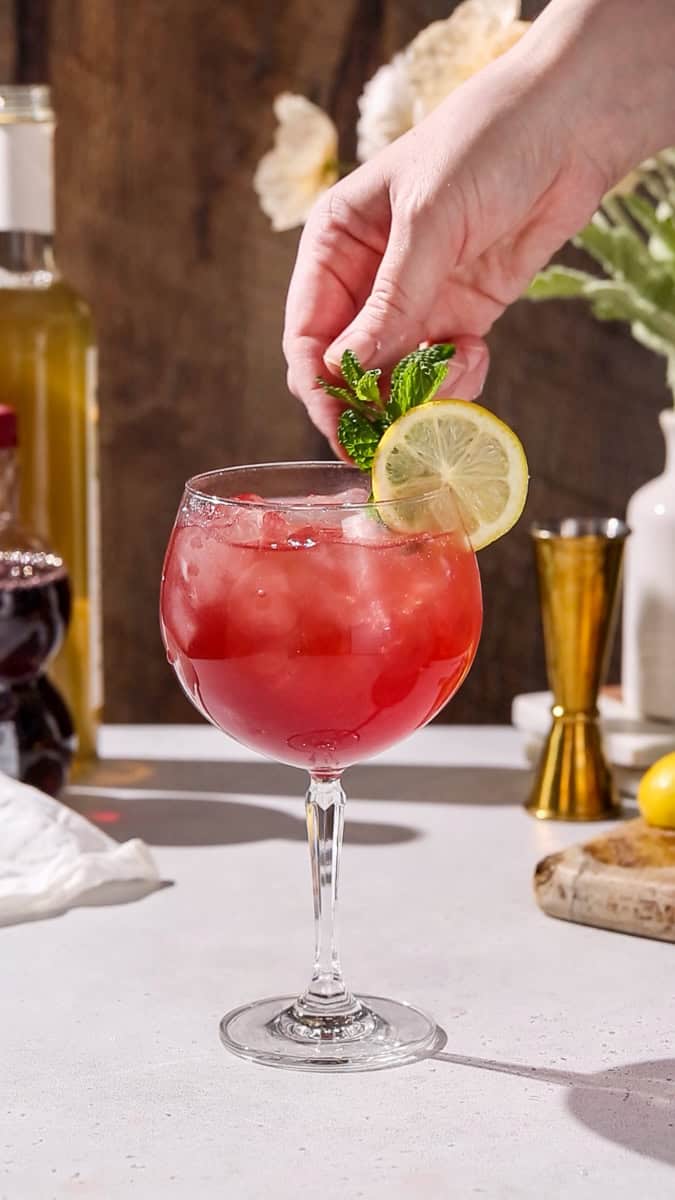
(392, 320)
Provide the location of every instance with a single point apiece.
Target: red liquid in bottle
(36, 732)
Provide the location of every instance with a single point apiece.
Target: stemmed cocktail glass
(319, 629)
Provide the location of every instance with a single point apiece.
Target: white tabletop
(558, 1078)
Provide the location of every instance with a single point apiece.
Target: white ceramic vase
(648, 674)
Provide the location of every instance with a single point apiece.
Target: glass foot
(380, 1033)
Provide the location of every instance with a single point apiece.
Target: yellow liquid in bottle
(47, 373)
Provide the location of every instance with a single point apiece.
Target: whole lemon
(656, 793)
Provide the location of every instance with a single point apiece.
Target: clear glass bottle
(36, 732)
(48, 375)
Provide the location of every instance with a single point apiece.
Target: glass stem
(326, 994)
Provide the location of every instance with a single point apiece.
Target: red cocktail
(318, 641)
(319, 629)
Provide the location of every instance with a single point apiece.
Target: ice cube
(331, 508)
(274, 528)
(364, 527)
(261, 602)
(355, 495)
(304, 537)
(179, 619)
(247, 525)
(197, 511)
(207, 563)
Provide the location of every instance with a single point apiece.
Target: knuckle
(339, 211)
(333, 217)
(409, 205)
(388, 296)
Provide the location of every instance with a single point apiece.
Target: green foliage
(414, 380)
(359, 437)
(632, 239)
(417, 378)
(556, 283)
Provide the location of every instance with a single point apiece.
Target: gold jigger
(578, 571)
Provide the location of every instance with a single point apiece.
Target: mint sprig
(359, 437)
(415, 380)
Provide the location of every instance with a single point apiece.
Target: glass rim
(566, 528)
(301, 505)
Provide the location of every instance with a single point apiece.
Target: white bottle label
(94, 536)
(26, 177)
(9, 750)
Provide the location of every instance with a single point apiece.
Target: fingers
(467, 371)
(337, 260)
(367, 276)
(306, 363)
(336, 264)
(391, 320)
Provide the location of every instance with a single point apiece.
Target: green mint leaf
(367, 388)
(439, 352)
(359, 437)
(417, 378)
(416, 385)
(339, 393)
(351, 369)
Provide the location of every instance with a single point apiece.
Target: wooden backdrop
(164, 109)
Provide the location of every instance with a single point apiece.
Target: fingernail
(469, 358)
(482, 375)
(361, 343)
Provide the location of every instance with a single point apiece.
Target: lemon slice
(464, 446)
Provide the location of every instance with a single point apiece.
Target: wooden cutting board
(624, 881)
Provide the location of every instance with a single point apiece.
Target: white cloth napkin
(50, 855)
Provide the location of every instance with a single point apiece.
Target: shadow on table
(187, 819)
(427, 784)
(187, 804)
(632, 1105)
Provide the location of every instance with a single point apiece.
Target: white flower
(448, 52)
(302, 164)
(385, 108)
(440, 58)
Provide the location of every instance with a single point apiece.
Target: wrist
(608, 70)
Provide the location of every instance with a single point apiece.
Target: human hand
(433, 238)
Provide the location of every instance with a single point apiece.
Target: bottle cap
(8, 438)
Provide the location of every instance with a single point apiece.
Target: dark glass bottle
(36, 732)
(48, 375)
